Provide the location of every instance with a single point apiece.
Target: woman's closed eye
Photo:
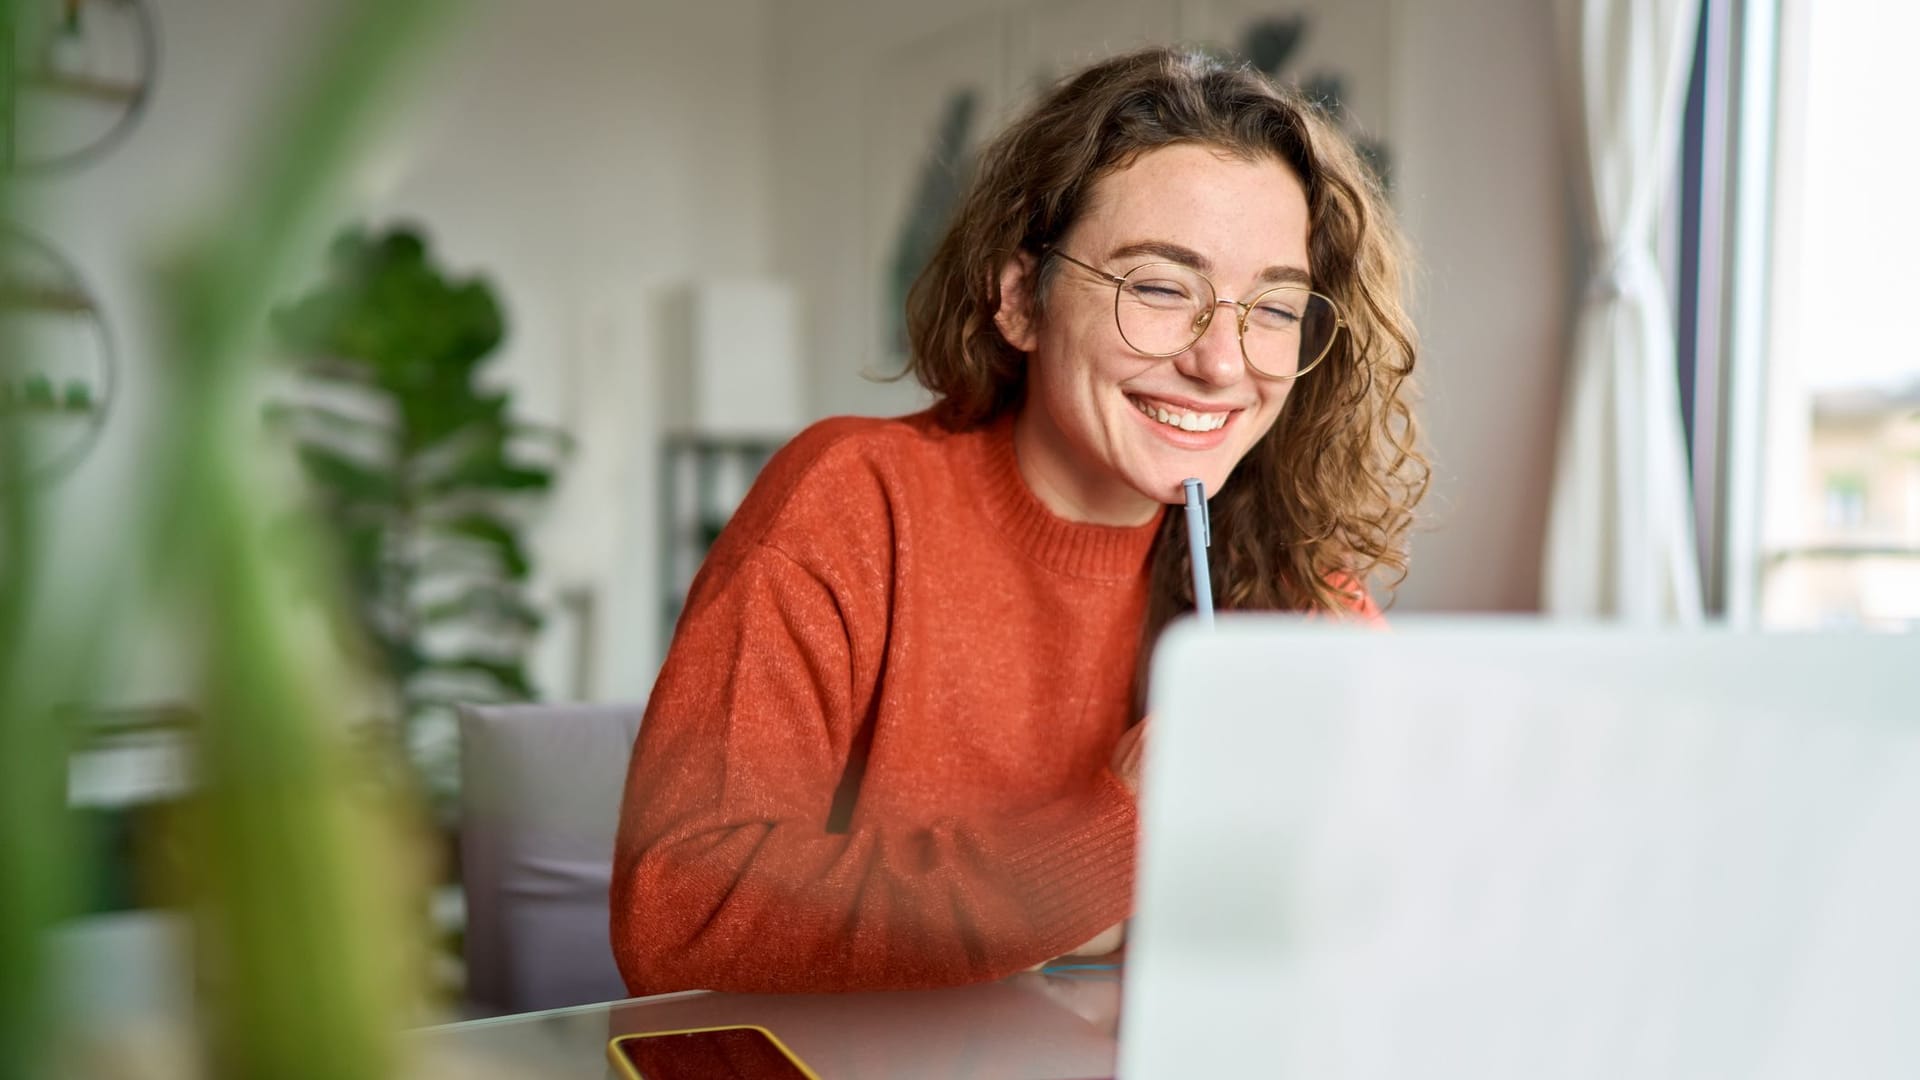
(1160, 290)
(1276, 316)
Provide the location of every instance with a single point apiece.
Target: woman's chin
(1172, 490)
(1166, 480)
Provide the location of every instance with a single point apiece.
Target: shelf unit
(703, 479)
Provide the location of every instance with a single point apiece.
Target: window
(1819, 515)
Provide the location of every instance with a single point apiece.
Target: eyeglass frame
(1245, 311)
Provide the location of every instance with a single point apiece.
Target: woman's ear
(1016, 317)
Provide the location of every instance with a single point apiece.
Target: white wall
(1474, 132)
(830, 51)
(1483, 190)
(593, 156)
(117, 219)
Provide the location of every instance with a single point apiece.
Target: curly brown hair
(1325, 499)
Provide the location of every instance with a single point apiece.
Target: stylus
(1199, 536)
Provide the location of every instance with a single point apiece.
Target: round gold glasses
(1163, 308)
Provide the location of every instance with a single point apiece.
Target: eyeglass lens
(1163, 308)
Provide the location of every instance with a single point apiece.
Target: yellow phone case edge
(627, 1070)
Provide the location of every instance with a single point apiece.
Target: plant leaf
(486, 470)
(493, 533)
(484, 602)
(344, 479)
(508, 676)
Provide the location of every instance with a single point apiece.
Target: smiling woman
(896, 739)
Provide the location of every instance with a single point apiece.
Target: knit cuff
(1077, 873)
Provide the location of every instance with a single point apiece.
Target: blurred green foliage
(422, 471)
(304, 879)
(40, 665)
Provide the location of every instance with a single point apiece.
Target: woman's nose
(1214, 358)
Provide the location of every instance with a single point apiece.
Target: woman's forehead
(1233, 210)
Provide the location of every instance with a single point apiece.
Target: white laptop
(1501, 849)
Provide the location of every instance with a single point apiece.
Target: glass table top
(1057, 1025)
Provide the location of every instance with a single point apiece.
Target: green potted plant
(422, 474)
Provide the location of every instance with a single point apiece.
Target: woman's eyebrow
(1161, 249)
(1284, 275)
(1186, 256)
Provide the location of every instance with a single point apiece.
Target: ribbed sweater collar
(1099, 552)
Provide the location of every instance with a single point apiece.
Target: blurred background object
(1856, 561)
(422, 479)
(86, 68)
(539, 803)
(1620, 535)
(293, 859)
(57, 381)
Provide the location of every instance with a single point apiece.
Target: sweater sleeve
(726, 876)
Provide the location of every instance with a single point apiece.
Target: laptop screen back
(1497, 849)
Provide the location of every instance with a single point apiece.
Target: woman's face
(1085, 441)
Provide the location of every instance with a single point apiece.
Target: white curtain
(1620, 532)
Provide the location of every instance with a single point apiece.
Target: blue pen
(1199, 537)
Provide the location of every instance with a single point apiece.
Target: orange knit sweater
(877, 754)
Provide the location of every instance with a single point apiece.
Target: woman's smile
(1183, 423)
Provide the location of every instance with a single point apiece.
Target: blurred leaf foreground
(302, 877)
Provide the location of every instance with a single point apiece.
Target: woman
(896, 739)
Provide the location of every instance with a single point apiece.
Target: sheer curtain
(1619, 532)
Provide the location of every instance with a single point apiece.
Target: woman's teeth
(1185, 421)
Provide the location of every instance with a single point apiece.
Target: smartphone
(739, 1052)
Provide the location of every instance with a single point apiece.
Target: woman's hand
(1127, 754)
(1105, 942)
